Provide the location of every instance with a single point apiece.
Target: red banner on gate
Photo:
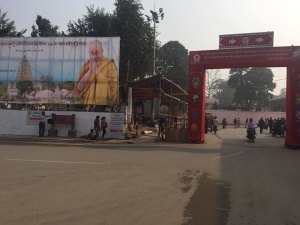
(247, 40)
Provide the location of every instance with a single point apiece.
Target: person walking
(261, 124)
(224, 123)
(234, 122)
(238, 123)
(215, 124)
(270, 124)
(247, 120)
(206, 124)
(97, 127)
(104, 125)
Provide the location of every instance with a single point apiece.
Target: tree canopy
(174, 63)
(128, 21)
(137, 38)
(44, 28)
(252, 86)
(97, 23)
(23, 86)
(225, 94)
(8, 28)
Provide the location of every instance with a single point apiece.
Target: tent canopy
(157, 86)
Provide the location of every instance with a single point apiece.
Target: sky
(196, 24)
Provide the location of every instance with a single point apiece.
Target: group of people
(94, 134)
(213, 123)
(99, 125)
(268, 123)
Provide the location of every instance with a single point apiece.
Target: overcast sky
(196, 24)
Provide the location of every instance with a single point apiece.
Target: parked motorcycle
(251, 134)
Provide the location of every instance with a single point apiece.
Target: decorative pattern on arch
(288, 57)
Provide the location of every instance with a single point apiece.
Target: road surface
(226, 180)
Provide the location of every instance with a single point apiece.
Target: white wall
(14, 122)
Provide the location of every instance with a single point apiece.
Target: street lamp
(155, 18)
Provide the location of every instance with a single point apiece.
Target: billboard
(246, 40)
(60, 70)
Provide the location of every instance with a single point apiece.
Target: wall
(14, 122)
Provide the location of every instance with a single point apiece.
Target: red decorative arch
(288, 57)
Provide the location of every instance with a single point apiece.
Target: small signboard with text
(33, 117)
(247, 40)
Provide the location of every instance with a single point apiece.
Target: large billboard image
(60, 70)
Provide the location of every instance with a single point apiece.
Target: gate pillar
(196, 110)
(293, 105)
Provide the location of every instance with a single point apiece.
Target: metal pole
(154, 50)
(159, 91)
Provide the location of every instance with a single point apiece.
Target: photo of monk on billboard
(98, 82)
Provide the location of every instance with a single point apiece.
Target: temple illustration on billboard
(36, 93)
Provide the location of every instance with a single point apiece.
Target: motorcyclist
(250, 125)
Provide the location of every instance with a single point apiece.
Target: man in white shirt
(42, 124)
(250, 125)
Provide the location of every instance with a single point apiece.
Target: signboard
(247, 40)
(60, 70)
(33, 117)
(272, 57)
(164, 109)
(117, 125)
(117, 122)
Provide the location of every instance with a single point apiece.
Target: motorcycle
(251, 134)
(278, 131)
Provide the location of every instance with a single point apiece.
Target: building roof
(158, 86)
(278, 98)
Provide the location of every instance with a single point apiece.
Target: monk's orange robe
(103, 90)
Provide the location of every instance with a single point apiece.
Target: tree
(23, 86)
(282, 91)
(129, 24)
(3, 89)
(174, 63)
(47, 82)
(97, 23)
(68, 85)
(136, 40)
(8, 28)
(252, 86)
(225, 94)
(213, 80)
(44, 28)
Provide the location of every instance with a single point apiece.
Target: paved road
(226, 180)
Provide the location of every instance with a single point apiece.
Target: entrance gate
(288, 57)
